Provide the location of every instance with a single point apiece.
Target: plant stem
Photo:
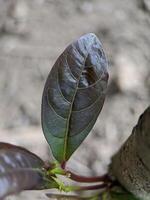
(105, 178)
(63, 165)
(91, 187)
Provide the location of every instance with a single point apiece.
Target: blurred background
(33, 33)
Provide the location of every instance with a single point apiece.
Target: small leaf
(73, 96)
(19, 170)
(122, 196)
(118, 193)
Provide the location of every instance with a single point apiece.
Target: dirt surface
(34, 33)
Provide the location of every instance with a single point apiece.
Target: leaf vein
(79, 88)
(54, 109)
(61, 90)
(76, 111)
(70, 69)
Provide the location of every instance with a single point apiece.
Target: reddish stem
(105, 178)
(92, 187)
(63, 165)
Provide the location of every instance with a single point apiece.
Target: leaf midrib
(69, 116)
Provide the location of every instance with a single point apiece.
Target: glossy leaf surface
(19, 170)
(74, 95)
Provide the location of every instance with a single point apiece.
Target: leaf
(20, 155)
(122, 196)
(118, 193)
(19, 170)
(73, 96)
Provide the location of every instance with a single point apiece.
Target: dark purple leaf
(74, 94)
(19, 170)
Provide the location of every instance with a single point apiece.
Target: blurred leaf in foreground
(20, 170)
